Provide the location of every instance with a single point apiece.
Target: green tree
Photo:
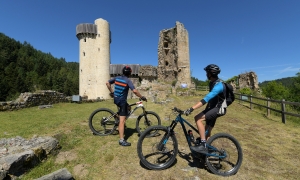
(295, 90)
(275, 90)
(25, 69)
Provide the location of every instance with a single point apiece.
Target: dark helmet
(127, 70)
(213, 69)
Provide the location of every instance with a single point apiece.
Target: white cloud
(263, 67)
(288, 69)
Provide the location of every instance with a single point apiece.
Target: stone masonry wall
(248, 80)
(173, 55)
(28, 99)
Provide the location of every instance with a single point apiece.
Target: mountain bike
(159, 152)
(104, 121)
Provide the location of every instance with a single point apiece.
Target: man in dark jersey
(214, 100)
(122, 85)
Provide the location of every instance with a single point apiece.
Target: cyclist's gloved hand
(188, 111)
(144, 98)
(111, 94)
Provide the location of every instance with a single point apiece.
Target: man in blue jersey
(122, 85)
(214, 100)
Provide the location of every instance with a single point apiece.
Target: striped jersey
(122, 85)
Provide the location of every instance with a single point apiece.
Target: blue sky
(238, 35)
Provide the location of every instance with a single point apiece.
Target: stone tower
(174, 56)
(94, 58)
(248, 80)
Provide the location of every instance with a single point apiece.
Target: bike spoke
(103, 122)
(225, 160)
(154, 158)
(147, 120)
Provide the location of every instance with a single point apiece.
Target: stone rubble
(17, 154)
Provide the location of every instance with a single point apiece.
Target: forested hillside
(287, 82)
(25, 69)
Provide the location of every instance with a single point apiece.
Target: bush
(246, 91)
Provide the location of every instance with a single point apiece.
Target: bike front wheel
(103, 122)
(157, 152)
(146, 120)
(225, 154)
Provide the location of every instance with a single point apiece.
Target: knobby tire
(226, 144)
(148, 152)
(100, 124)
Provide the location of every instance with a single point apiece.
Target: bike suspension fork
(166, 136)
(164, 140)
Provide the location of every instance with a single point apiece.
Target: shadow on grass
(143, 166)
(129, 132)
(194, 160)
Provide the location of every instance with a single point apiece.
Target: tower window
(98, 35)
(83, 53)
(98, 49)
(84, 40)
(166, 44)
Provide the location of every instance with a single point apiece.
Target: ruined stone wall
(184, 72)
(173, 55)
(28, 99)
(248, 80)
(167, 55)
(148, 73)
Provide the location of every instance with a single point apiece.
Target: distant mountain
(287, 82)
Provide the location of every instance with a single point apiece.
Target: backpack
(228, 93)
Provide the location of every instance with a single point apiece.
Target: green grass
(270, 148)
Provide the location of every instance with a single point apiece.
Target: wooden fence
(249, 98)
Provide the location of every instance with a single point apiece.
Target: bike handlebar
(175, 109)
(136, 103)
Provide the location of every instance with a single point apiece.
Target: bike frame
(138, 105)
(182, 122)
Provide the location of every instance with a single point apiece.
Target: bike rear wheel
(149, 153)
(228, 154)
(146, 120)
(102, 122)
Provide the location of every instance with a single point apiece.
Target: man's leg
(121, 126)
(208, 128)
(198, 119)
(211, 117)
(123, 112)
(201, 148)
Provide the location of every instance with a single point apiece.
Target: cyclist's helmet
(127, 70)
(213, 69)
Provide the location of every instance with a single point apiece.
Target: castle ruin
(248, 80)
(95, 67)
(173, 55)
(173, 63)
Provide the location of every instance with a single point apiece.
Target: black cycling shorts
(211, 116)
(123, 108)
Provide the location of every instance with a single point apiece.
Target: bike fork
(164, 140)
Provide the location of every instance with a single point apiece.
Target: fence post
(268, 105)
(283, 111)
(251, 102)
